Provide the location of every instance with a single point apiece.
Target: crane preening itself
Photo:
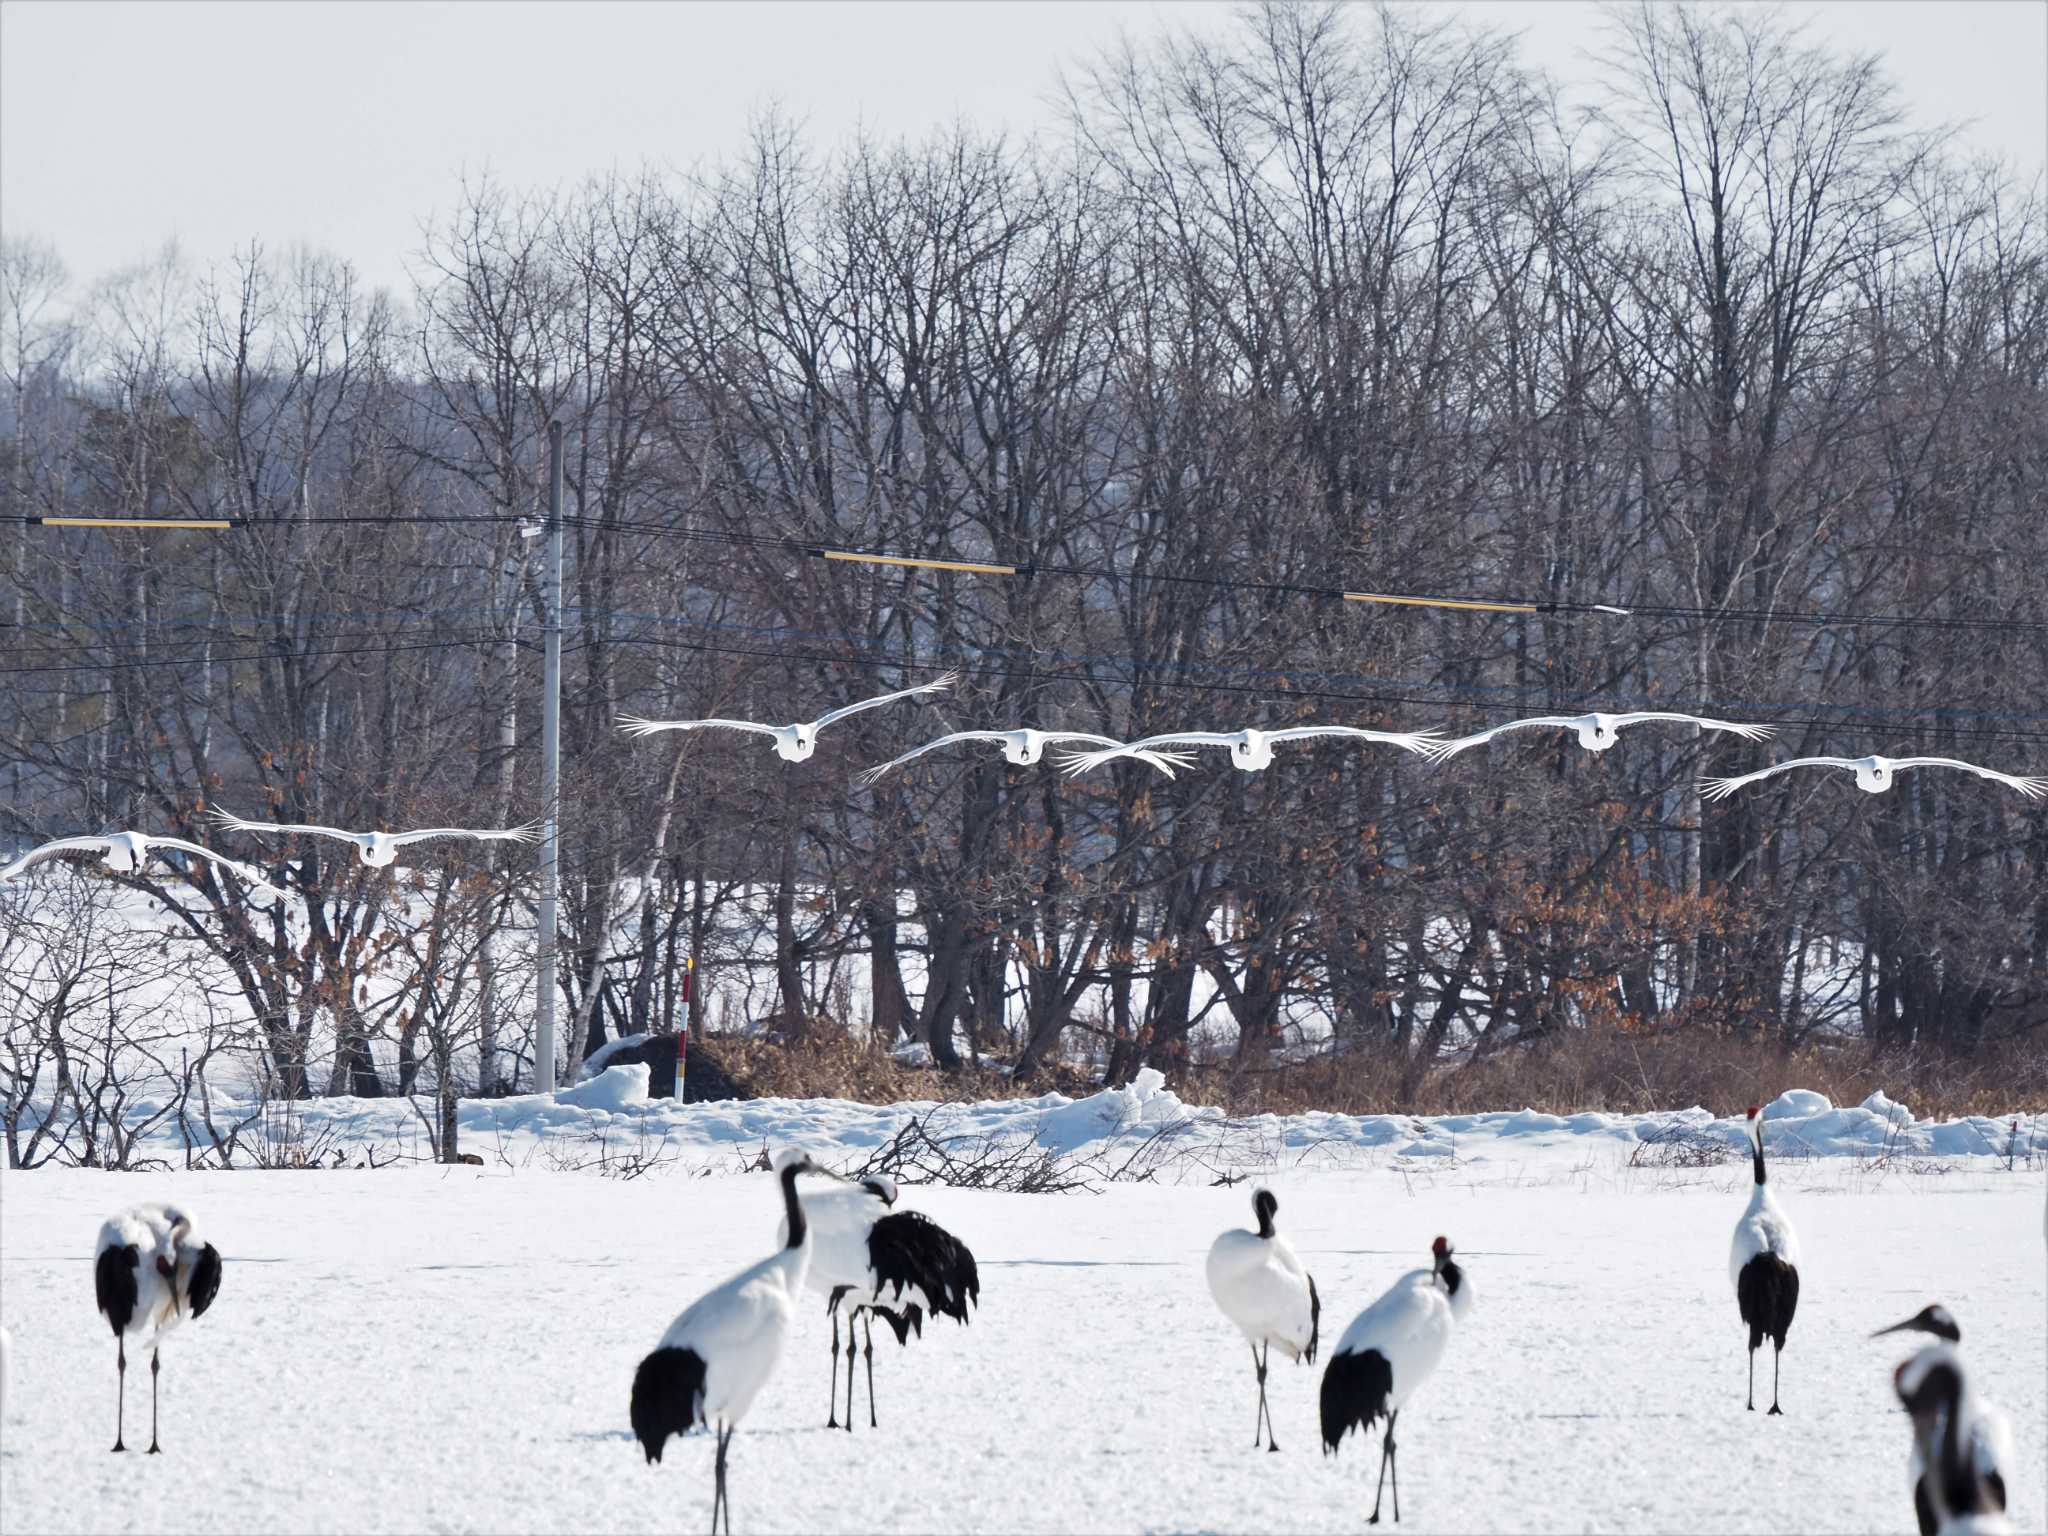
(1387, 1352)
(866, 1255)
(718, 1355)
(149, 1273)
(1763, 1264)
(1260, 1284)
(1984, 1435)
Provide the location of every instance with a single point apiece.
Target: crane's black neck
(1958, 1475)
(793, 1208)
(1264, 1205)
(1452, 1275)
(1756, 1152)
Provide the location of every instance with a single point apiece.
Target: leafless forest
(1339, 300)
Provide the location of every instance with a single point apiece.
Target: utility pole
(550, 769)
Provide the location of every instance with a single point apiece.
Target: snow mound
(594, 1063)
(1796, 1102)
(614, 1088)
(1145, 1104)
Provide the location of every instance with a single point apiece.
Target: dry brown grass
(1612, 1071)
(1631, 1074)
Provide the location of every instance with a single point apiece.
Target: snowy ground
(418, 1348)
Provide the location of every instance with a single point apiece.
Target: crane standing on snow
(859, 1249)
(716, 1357)
(1387, 1352)
(1763, 1264)
(148, 1273)
(1985, 1434)
(1262, 1287)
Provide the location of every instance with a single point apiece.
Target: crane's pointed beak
(1908, 1326)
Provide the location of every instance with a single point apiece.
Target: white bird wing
(252, 875)
(870, 775)
(2032, 787)
(1449, 749)
(1721, 788)
(1749, 732)
(1413, 741)
(934, 686)
(228, 819)
(638, 725)
(520, 834)
(62, 845)
(1081, 762)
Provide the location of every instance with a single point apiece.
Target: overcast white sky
(344, 124)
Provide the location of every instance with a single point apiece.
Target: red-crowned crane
(716, 1357)
(1387, 1352)
(1985, 1434)
(860, 1249)
(1262, 1287)
(1936, 1393)
(1763, 1264)
(148, 1274)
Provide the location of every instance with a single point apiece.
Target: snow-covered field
(432, 1349)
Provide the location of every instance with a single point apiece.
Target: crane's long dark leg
(832, 1397)
(1386, 1455)
(718, 1473)
(869, 1354)
(154, 1367)
(1258, 1417)
(1774, 1383)
(1394, 1461)
(850, 1352)
(1266, 1408)
(1751, 1404)
(121, 1389)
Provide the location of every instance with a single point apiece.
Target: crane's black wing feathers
(907, 1249)
(113, 1284)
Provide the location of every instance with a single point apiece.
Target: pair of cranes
(1961, 1443)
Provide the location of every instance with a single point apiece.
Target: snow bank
(614, 1105)
(613, 1089)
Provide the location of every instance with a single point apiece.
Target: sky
(347, 125)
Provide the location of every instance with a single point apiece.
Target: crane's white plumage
(125, 852)
(1263, 1287)
(1250, 749)
(149, 1274)
(380, 848)
(1597, 731)
(1985, 1433)
(1763, 1265)
(719, 1353)
(1025, 747)
(1873, 774)
(1389, 1350)
(793, 743)
(1958, 1483)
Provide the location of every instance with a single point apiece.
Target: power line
(1024, 570)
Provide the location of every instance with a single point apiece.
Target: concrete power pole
(550, 770)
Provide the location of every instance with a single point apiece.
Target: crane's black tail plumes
(904, 1323)
(1767, 1292)
(668, 1397)
(1355, 1391)
(1315, 1322)
(907, 1249)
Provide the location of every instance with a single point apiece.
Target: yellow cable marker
(973, 567)
(135, 522)
(1439, 602)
